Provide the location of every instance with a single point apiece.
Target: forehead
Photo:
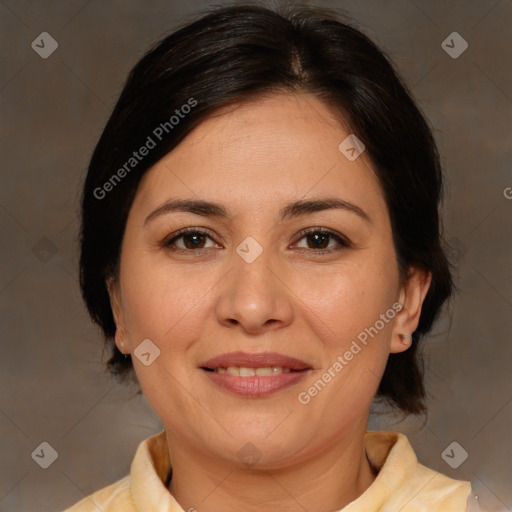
(261, 154)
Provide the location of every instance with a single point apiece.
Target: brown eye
(319, 240)
(194, 240)
(191, 239)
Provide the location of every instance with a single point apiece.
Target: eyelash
(343, 242)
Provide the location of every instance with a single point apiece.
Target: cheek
(163, 302)
(343, 308)
(168, 308)
(342, 303)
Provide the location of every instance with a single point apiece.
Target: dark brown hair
(238, 53)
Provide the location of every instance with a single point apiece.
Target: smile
(254, 375)
(244, 371)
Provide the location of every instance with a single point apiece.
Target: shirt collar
(389, 450)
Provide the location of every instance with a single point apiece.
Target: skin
(197, 304)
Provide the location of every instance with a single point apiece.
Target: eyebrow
(291, 210)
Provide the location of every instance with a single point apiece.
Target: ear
(114, 293)
(412, 295)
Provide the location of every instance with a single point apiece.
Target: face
(284, 292)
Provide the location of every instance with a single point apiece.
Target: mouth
(246, 371)
(254, 375)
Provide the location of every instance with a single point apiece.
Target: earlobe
(411, 298)
(115, 305)
(404, 338)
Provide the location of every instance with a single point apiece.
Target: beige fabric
(402, 483)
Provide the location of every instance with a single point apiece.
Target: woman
(261, 246)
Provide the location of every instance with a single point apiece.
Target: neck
(325, 482)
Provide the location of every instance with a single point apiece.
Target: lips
(248, 360)
(254, 375)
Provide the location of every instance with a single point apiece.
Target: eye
(192, 239)
(318, 240)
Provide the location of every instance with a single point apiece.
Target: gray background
(53, 387)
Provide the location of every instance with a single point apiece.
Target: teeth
(264, 372)
(242, 371)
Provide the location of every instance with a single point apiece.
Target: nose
(254, 296)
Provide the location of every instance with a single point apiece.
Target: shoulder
(115, 497)
(436, 492)
(406, 485)
(142, 490)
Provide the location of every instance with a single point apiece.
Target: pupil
(317, 236)
(319, 240)
(197, 238)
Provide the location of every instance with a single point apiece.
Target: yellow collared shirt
(402, 484)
